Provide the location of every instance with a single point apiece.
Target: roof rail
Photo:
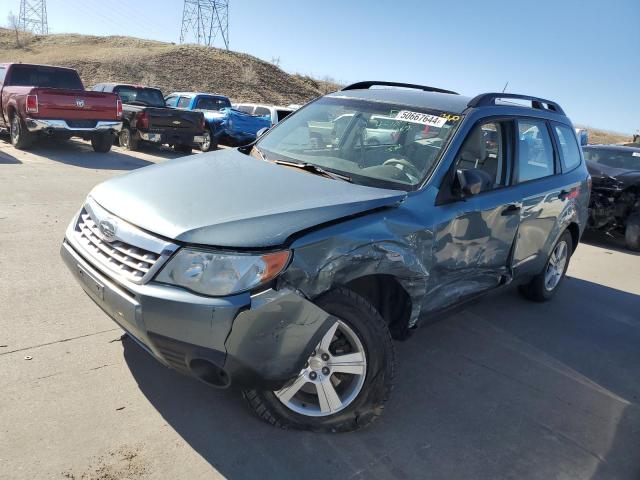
(370, 83)
(486, 99)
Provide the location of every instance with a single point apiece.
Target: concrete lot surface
(502, 388)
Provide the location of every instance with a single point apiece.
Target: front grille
(127, 260)
(82, 123)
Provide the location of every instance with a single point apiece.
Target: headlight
(218, 273)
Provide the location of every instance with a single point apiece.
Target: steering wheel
(405, 166)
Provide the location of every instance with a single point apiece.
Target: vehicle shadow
(80, 154)
(600, 239)
(501, 388)
(6, 159)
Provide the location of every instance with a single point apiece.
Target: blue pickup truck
(224, 124)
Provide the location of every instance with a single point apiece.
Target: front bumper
(47, 125)
(258, 341)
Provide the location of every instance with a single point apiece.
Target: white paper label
(635, 154)
(421, 118)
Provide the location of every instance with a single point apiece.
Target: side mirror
(471, 182)
(261, 132)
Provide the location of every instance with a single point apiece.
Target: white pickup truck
(275, 113)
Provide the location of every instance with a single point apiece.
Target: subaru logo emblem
(108, 229)
(79, 103)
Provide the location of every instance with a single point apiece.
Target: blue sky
(583, 54)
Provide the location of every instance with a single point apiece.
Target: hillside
(168, 66)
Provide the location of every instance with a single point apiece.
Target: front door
(474, 236)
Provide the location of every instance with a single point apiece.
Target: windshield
(141, 95)
(213, 103)
(624, 159)
(373, 143)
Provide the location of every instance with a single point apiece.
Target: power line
(204, 20)
(33, 16)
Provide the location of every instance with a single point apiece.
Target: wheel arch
(574, 230)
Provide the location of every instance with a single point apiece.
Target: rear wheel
(127, 139)
(546, 283)
(632, 232)
(21, 137)
(209, 143)
(102, 143)
(347, 378)
(181, 147)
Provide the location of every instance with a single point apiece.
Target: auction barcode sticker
(422, 118)
(635, 154)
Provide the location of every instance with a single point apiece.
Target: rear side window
(184, 102)
(3, 72)
(262, 111)
(535, 151)
(568, 146)
(45, 77)
(171, 101)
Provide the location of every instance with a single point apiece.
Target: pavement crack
(58, 341)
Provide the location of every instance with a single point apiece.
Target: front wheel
(209, 142)
(546, 283)
(632, 232)
(347, 379)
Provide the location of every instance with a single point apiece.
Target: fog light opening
(209, 373)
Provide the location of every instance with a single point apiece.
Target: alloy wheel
(206, 143)
(15, 129)
(332, 377)
(556, 265)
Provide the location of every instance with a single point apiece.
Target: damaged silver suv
(285, 268)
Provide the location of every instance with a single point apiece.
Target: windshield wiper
(313, 168)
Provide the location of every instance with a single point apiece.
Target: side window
(171, 101)
(535, 151)
(184, 102)
(245, 108)
(3, 72)
(483, 149)
(262, 111)
(569, 147)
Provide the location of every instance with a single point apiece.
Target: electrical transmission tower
(204, 20)
(33, 16)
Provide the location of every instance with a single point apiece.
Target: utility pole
(205, 20)
(33, 16)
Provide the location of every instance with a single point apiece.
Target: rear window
(213, 103)
(245, 108)
(148, 97)
(262, 111)
(282, 114)
(45, 77)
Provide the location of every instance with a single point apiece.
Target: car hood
(229, 199)
(604, 174)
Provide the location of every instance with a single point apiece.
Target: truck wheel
(21, 137)
(102, 143)
(546, 283)
(209, 143)
(632, 232)
(127, 139)
(347, 379)
(181, 147)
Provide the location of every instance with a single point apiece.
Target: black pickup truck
(146, 118)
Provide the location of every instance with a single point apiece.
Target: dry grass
(605, 136)
(168, 66)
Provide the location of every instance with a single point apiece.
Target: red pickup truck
(40, 100)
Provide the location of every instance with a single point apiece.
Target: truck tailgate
(171, 119)
(75, 104)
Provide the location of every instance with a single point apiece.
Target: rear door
(474, 236)
(538, 177)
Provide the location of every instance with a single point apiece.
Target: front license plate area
(91, 284)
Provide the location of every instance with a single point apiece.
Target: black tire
(102, 143)
(368, 405)
(537, 290)
(212, 143)
(128, 140)
(180, 147)
(21, 137)
(632, 232)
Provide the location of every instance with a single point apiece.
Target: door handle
(512, 209)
